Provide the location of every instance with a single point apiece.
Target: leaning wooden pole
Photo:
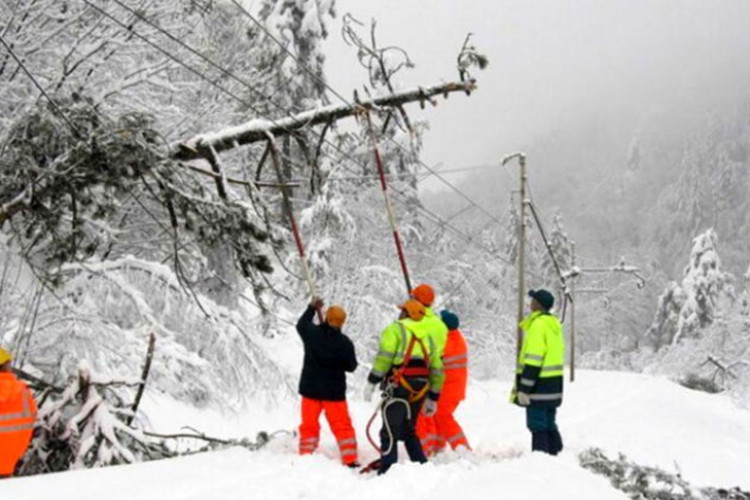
(388, 205)
(198, 147)
(292, 222)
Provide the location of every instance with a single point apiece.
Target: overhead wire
(73, 128)
(349, 103)
(437, 219)
(429, 215)
(28, 73)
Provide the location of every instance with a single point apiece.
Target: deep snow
(652, 420)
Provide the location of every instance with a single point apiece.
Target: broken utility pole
(205, 146)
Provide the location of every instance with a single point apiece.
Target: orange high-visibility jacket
(455, 361)
(17, 417)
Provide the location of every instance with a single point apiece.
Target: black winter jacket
(328, 354)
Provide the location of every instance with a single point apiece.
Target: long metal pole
(388, 206)
(573, 316)
(292, 221)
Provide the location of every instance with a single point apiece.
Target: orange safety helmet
(424, 294)
(336, 316)
(414, 309)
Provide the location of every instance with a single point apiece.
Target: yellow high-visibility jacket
(395, 339)
(539, 370)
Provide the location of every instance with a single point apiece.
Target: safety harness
(406, 371)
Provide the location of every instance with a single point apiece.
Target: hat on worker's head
(449, 318)
(5, 356)
(424, 294)
(336, 316)
(414, 309)
(543, 297)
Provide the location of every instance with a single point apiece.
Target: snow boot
(555, 442)
(372, 466)
(540, 442)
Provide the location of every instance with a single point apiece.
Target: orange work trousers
(435, 432)
(337, 414)
(427, 434)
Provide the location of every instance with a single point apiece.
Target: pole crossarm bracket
(201, 146)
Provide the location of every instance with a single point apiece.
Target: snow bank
(652, 420)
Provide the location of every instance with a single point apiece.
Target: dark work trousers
(545, 436)
(396, 418)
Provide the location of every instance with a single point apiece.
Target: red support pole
(292, 221)
(388, 206)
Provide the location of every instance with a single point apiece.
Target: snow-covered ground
(652, 420)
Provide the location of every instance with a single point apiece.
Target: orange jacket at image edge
(17, 417)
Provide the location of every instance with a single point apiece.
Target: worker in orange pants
(329, 354)
(337, 414)
(443, 428)
(17, 417)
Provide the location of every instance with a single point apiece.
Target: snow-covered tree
(561, 249)
(694, 304)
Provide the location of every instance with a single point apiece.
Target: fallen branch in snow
(720, 367)
(200, 146)
(180, 435)
(261, 439)
(641, 482)
(36, 381)
(85, 426)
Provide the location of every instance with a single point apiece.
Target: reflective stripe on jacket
(17, 418)
(394, 340)
(539, 370)
(455, 363)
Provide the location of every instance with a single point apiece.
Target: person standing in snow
(455, 363)
(17, 416)
(426, 427)
(410, 370)
(329, 354)
(539, 373)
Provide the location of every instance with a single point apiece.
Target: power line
(198, 73)
(195, 52)
(346, 101)
(289, 52)
(428, 214)
(52, 103)
(59, 112)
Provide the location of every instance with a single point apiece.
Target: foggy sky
(553, 64)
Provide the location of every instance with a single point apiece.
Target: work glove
(316, 302)
(523, 399)
(369, 390)
(430, 408)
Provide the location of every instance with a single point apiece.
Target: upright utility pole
(521, 245)
(573, 315)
